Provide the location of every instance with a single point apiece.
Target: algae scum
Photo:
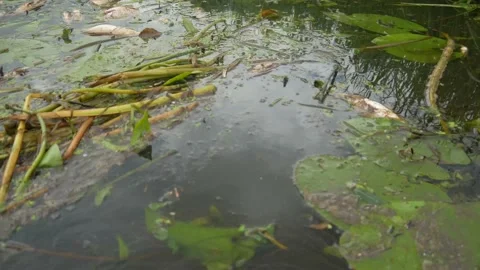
(206, 182)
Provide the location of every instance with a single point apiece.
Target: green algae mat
(391, 198)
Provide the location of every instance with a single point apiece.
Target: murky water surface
(238, 150)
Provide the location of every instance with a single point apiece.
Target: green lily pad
(390, 220)
(424, 50)
(382, 24)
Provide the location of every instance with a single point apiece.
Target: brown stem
(78, 137)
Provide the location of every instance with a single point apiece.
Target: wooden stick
(78, 137)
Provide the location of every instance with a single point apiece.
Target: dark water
(239, 154)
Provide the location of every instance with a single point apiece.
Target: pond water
(238, 150)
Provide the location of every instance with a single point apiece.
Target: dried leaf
(269, 14)
(72, 16)
(33, 5)
(371, 108)
(110, 30)
(321, 226)
(120, 12)
(148, 33)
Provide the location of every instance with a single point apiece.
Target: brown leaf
(120, 12)
(269, 14)
(320, 226)
(148, 33)
(110, 30)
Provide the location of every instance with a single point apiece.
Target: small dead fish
(72, 16)
(120, 12)
(29, 6)
(369, 107)
(110, 30)
(104, 3)
(18, 72)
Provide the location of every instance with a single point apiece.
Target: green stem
(26, 179)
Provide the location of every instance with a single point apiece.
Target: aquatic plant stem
(434, 81)
(206, 90)
(157, 118)
(26, 179)
(204, 31)
(14, 153)
(25, 199)
(78, 137)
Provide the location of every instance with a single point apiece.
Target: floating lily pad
(382, 24)
(392, 221)
(425, 50)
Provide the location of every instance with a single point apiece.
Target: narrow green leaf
(52, 158)
(102, 194)
(141, 128)
(177, 78)
(423, 51)
(122, 248)
(382, 24)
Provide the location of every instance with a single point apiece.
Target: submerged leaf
(123, 251)
(52, 158)
(423, 51)
(141, 128)
(102, 194)
(382, 24)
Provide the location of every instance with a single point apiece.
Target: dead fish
(104, 3)
(72, 16)
(33, 5)
(18, 72)
(120, 12)
(110, 30)
(369, 107)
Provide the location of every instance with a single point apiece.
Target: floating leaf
(120, 12)
(123, 251)
(102, 194)
(110, 30)
(423, 51)
(382, 24)
(52, 158)
(141, 128)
